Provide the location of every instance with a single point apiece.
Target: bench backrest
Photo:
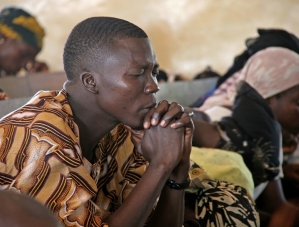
(27, 86)
(20, 90)
(185, 92)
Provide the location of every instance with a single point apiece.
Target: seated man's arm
(172, 200)
(162, 148)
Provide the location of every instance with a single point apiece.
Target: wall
(187, 35)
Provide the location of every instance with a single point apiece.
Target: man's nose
(152, 85)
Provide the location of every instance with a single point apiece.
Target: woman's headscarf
(17, 24)
(252, 127)
(267, 38)
(272, 71)
(269, 71)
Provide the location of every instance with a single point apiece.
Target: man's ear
(89, 82)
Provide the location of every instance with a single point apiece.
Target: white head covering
(272, 71)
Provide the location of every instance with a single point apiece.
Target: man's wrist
(180, 172)
(178, 186)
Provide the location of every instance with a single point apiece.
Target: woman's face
(15, 55)
(286, 109)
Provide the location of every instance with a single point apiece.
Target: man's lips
(150, 106)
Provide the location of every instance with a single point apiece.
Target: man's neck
(93, 126)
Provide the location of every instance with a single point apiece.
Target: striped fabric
(40, 156)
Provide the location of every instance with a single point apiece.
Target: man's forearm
(139, 204)
(170, 209)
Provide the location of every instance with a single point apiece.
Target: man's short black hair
(90, 39)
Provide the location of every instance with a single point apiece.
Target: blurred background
(187, 35)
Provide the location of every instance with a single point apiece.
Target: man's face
(127, 82)
(286, 110)
(15, 55)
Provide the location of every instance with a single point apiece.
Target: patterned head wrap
(272, 71)
(19, 25)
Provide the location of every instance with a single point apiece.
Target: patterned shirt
(40, 155)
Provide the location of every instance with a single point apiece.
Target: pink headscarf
(269, 71)
(272, 71)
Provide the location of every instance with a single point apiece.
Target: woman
(21, 39)
(269, 93)
(224, 91)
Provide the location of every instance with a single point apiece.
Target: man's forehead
(137, 50)
(135, 44)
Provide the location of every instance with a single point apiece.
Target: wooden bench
(21, 89)
(27, 86)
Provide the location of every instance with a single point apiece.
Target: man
(68, 149)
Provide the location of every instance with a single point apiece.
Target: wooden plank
(27, 86)
(182, 92)
(49, 81)
(185, 92)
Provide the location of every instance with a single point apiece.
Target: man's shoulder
(47, 107)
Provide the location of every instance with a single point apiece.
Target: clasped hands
(167, 136)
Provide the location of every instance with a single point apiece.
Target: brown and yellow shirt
(40, 156)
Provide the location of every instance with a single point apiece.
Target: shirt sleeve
(37, 165)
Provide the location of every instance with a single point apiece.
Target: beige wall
(187, 35)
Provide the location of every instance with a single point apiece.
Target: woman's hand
(37, 66)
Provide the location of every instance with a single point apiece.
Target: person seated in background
(19, 210)
(220, 94)
(76, 151)
(218, 102)
(266, 105)
(21, 39)
(207, 73)
(162, 77)
(178, 77)
(290, 182)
